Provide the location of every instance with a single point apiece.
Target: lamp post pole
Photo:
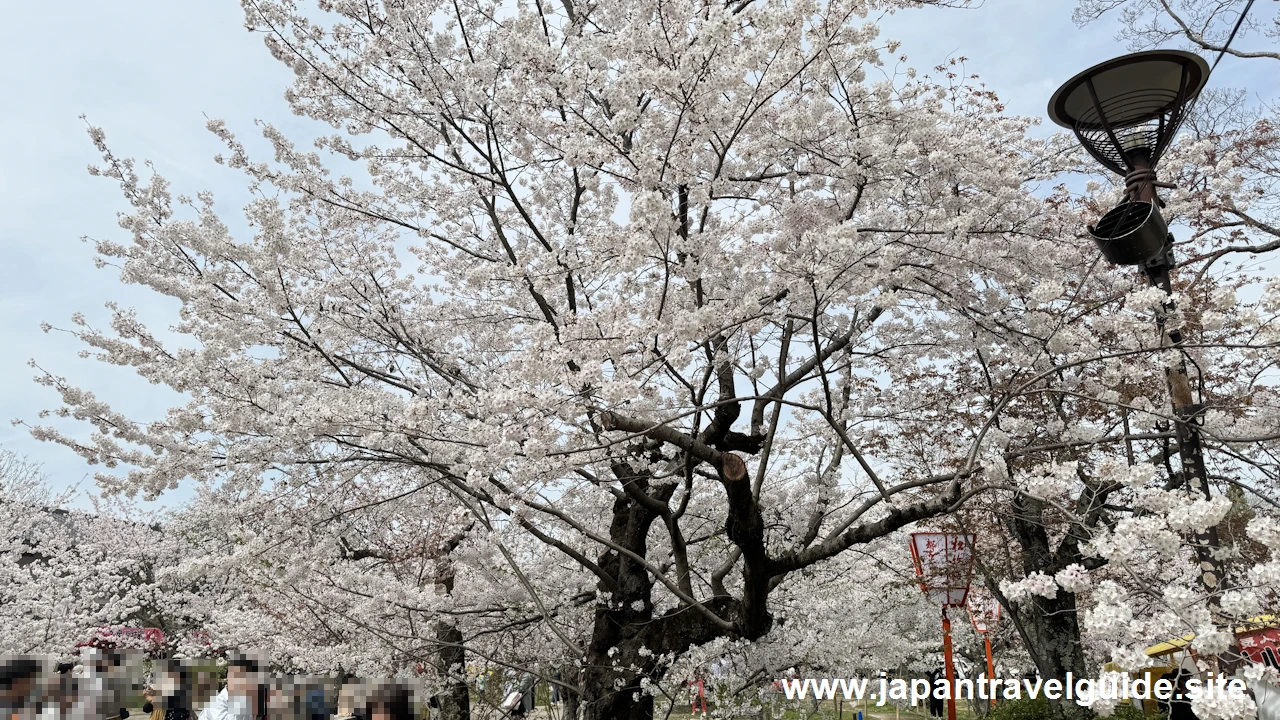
(1141, 186)
(1126, 112)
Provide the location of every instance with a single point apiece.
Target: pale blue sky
(149, 71)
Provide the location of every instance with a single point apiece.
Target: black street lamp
(1126, 112)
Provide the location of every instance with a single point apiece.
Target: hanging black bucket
(1131, 234)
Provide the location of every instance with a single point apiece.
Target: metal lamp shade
(1133, 233)
(1134, 102)
(944, 565)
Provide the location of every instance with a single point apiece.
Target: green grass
(778, 709)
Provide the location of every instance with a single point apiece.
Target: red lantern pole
(944, 563)
(949, 664)
(986, 617)
(991, 666)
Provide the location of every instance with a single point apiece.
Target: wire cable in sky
(1232, 36)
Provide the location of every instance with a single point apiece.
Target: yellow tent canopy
(1169, 647)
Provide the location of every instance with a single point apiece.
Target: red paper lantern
(984, 610)
(944, 565)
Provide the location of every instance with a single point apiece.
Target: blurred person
(279, 699)
(107, 683)
(151, 707)
(519, 697)
(61, 693)
(350, 700)
(19, 681)
(243, 697)
(389, 701)
(287, 698)
(206, 682)
(937, 706)
(316, 698)
(173, 690)
(93, 701)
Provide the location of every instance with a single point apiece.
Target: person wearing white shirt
(239, 699)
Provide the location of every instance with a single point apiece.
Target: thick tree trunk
(572, 703)
(1050, 628)
(614, 666)
(454, 703)
(614, 695)
(625, 624)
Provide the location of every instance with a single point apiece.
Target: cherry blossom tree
(1225, 222)
(1102, 526)
(641, 321)
(70, 577)
(359, 581)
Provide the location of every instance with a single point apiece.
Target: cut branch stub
(732, 468)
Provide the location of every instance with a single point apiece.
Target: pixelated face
(279, 698)
(168, 684)
(17, 692)
(239, 681)
(347, 699)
